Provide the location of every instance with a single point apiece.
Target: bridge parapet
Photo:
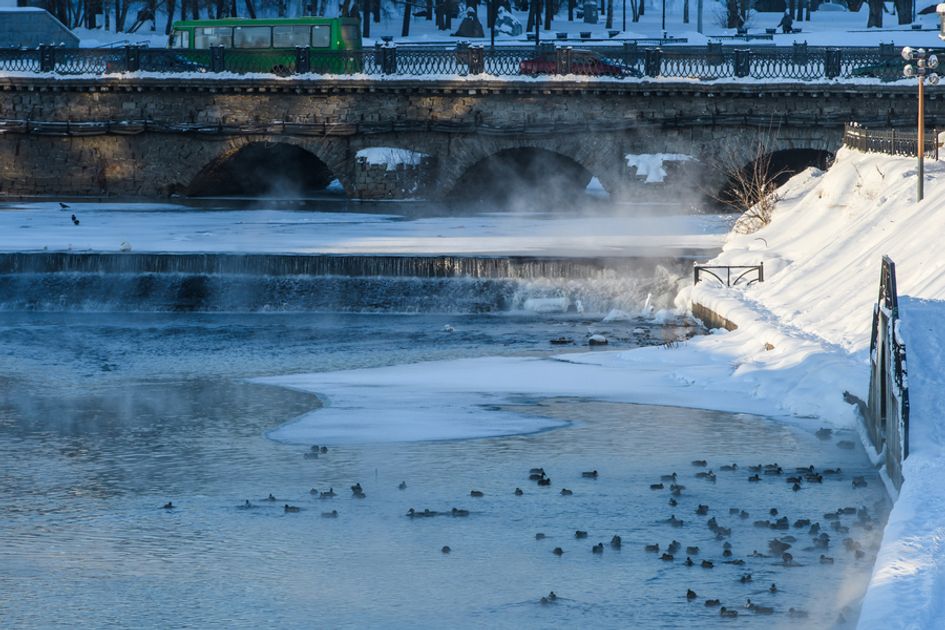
(624, 63)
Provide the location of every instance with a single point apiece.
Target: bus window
(205, 37)
(290, 36)
(321, 36)
(252, 37)
(350, 37)
(180, 39)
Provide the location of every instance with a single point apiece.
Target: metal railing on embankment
(730, 275)
(713, 61)
(887, 413)
(890, 141)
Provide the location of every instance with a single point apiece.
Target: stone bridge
(155, 137)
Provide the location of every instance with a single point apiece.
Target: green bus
(269, 45)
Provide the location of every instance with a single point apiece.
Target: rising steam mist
(529, 180)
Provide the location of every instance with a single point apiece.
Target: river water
(108, 412)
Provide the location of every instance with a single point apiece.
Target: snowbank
(822, 257)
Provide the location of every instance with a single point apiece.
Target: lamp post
(919, 64)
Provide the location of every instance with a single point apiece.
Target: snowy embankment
(822, 256)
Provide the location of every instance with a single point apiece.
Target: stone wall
(175, 128)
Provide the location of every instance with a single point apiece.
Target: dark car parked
(582, 62)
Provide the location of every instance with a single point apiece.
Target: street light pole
(920, 191)
(919, 64)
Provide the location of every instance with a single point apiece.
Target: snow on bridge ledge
(749, 84)
(392, 157)
(650, 165)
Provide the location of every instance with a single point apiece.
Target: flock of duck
(781, 548)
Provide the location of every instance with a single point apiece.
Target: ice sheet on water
(459, 399)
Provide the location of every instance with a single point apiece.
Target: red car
(582, 62)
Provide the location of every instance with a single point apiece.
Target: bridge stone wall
(191, 123)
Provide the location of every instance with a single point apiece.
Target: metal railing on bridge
(890, 141)
(714, 61)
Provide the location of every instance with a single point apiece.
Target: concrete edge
(710, 319)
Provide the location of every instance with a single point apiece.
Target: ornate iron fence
(730, 275)
(890, 141)
(887, 421)
(714, 61)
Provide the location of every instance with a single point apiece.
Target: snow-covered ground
(802, 341)
(652, 230)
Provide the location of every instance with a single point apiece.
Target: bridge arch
(555, 169)
(268, 167)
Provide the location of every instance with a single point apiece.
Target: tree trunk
(119, 17)
(875, 19)
(170, 16)
(635, 10)
(250, 9)
(642, 7)
(530, 24)
(376, 10)
(549, 13)
(685, 12)
(405, 27)
(610, 14)
(194, 10)
(365, 18)
(904, 11)
(732, 17)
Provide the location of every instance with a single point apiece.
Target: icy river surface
(130, 381)
(104, 418)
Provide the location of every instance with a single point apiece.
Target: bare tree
(751, 189)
